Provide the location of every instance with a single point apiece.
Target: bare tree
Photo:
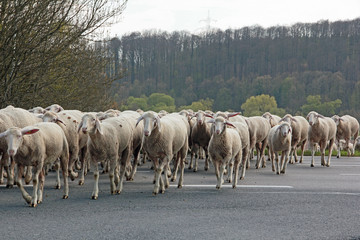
(37, 37)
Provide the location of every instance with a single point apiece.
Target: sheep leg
(24, 193)
(64, 164)
(284, 160)
(236, 167)
(135, 163)
(272, 155)
(245, 156)
(36, 173)
(124, 160)
(73, 156)
(197, 156)
(313, 148)
(277, 163)
(111, 175)
(95, 169)
(331, 144)
(176, 168)
(258, 159)
(166, 176)
(83, 157)
(182, 155)
(194, 151)
(262, 153)
(1, 173)
(206, 167)
(302, 151)
(230, 167)
(322, 151)
(158, 170)
(41, 185)
(57, 169)
(221, 175)
(292, 152)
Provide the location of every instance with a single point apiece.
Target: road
(305, 203)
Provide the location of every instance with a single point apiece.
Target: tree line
(287, 62)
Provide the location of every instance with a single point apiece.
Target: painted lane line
(238, 186)
(349, 174)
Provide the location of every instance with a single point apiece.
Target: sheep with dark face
(37, 146)
(321, 131)
(347, 127)
(225, 148)
(280, 141)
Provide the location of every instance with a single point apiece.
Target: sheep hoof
(189, 167)
(311, 165)
(39, 201)
(112, 192)
(65, 196)
(242, 178)
(129, 179)
(206, 168)
(33, 205)
(179, 186)
(217, 187)
(337, 157)
(283, 172)
(118, 191)
(81, 182)
(278, 173)
(195, 170)
(328, 165)
(173, 179)
(234, 186)
(94, 197)
(57, 187)
(1, 181)
(154, 193)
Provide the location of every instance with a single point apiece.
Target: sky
(191, 15)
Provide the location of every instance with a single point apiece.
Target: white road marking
(230, 186)
(349, 174)
(15, 186)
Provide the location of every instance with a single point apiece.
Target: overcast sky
(189, 15)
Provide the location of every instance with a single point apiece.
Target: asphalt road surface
(305, 203)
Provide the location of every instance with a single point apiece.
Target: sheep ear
(230, 124)
(212, 120)
(3, 134)
(98, 127)
(80, 126)
(60, 121)
(157, 119)
(60, 109)
(293, 119)
(233, 114)
(139, 119)
(29, 130)
(208, 115)
(320, 116)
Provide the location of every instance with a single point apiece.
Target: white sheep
(225, 147)
(259, 128)
(322, 129)
(243, 130)
(273, 119)
(69, 125)
(300, 130)
(13, 117)
(164, 138)
(347, 128)
(37, 146)
(37, 110)
(110, 141)
(280, 141)
(54, 108)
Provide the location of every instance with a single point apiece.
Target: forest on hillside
(289, 63)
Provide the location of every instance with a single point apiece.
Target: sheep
(225, 147)
(347, 127)
(300, 129)
(259, 128)
(37, 146)
(322, 129)
(37, 110)
(273, 119)
(69, 125)
(164, 137)
(280, 140)
(200, 137)
(132, 118)
(54, 108)
(109, 140)
(13, 117)
(243, 131)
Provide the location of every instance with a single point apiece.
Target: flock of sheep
(37, 139)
